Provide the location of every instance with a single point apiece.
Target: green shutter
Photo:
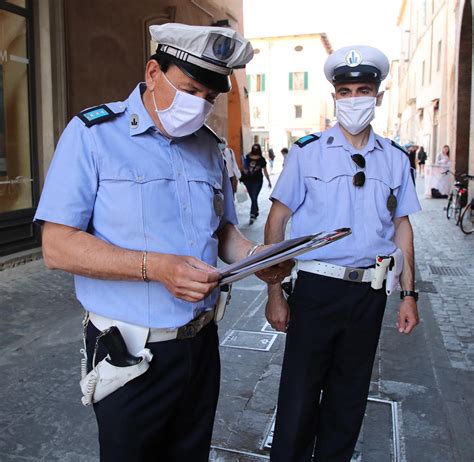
(305, 80)
(263, 82)
(290, 80)
(249, 83)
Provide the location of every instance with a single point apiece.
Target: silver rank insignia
(219, 204)
(391, 202)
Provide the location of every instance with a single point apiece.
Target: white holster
(382, 264)
(105, 378)
(388, 267)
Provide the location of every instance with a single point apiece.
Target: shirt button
(191, 243)
(140, 178)
(185, 207)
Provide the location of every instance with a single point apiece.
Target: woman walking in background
(421, 157)
(255, 166)
(271, 158)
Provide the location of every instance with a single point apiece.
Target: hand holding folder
(278, 253)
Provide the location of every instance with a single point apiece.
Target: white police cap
(206, 53)
(356, 64)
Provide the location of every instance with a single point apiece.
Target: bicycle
(458, 196)
(466, 221)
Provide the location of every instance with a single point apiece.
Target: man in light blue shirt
(346, 176)
(137, 204)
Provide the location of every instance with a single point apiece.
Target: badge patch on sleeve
(306, 140)
(96, 115)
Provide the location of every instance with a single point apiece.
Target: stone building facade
(289, 95)
(58, 57)
(433, 80)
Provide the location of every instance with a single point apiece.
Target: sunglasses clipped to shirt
(358, 179)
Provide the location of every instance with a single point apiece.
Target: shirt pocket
(207, 200)
(323, 188)
(142, 194)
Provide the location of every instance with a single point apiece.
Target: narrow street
(421, 401)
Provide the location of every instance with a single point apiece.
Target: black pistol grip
(117, 349)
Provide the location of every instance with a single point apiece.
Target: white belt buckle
(353, 274)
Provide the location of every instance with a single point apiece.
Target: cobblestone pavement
(421, 398)
(444, 257)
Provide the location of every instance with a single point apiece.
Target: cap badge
(223, 47)
(353, 58)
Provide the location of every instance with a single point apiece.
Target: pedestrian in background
(284, 153)
(350, 177)
(231, 164)
(442, 183)
(138, 207)
(255, 167)
(412, 156)
(443, 159)
(271, 158)
(421, 157)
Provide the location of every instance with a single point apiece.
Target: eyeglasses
(358, 179)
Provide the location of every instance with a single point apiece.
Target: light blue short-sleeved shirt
(316, 185)
(127, 184)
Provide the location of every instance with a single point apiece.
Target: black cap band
(214, 81)
(361, 73)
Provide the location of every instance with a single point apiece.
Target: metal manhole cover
(379, 431)
(448, 270)
(267, 444)
(248, 340)
(222, 454)
(267, 328)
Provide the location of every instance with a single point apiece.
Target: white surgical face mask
(354, 114)
(186, 114)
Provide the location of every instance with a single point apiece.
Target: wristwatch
(408, 293)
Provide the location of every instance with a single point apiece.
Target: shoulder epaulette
(396, 145)
(96, 115)
(306, 140)
(213, 133)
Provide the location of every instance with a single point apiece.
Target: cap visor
(212, 80)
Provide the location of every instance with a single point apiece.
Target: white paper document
(277, 253)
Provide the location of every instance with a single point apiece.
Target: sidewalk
(421, 406)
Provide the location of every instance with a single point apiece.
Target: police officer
(231, 164)
(346, 176)
(138, 206)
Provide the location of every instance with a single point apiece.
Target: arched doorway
(464, 89)
(234, 120)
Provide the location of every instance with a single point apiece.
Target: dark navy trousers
(166, 414)
(330, 348)
(254, 188)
